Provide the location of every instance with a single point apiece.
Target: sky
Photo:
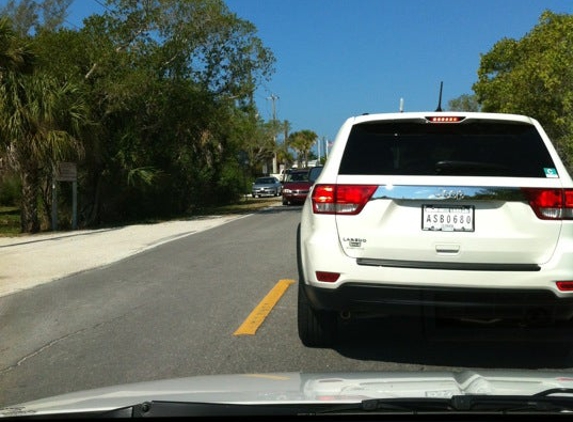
(339, 58)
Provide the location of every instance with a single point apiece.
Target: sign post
(65, 172)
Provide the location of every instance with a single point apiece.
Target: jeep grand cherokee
(468, 213)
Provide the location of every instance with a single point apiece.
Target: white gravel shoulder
(27, 261)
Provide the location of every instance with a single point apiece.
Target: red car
(297, 184)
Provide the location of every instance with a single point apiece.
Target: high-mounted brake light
(445, 119)
(551, 204)
(341, 199)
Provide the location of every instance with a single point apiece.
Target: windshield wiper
(544, 401)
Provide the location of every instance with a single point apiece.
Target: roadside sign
(66, 172)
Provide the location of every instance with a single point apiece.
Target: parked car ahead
(297, 184)
(267, 186)
(466, 215)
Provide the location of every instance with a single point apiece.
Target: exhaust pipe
(345, 315)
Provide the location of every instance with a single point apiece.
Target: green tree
(259, 144)
(302, 141)
(39, 117)
(464, 102)
(15, 55)
(284, 155)
(35, 16)
(534, 76)
(170, 86)
(38, 123)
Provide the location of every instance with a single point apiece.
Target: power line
(103, 5)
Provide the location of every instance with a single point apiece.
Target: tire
(316, 328)
(285, 202)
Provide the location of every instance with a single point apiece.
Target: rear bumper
(295, 197)
(447, 302)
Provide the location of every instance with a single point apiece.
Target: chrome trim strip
(432, 265)
(448, 193)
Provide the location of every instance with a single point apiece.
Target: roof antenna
(440, 99)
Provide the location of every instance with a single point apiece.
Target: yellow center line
(263, 309)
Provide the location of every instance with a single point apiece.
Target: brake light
(565, 286)
(341, 199)
(327, 277)
(551, 204)
(445, 119)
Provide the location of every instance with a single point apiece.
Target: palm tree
(39, 123)
(15, 56)
(40, 119)
(284, 157)
(302, 141)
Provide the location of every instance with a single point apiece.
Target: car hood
(283, 388)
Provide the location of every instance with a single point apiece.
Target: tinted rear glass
(297, 177)
(465, 149)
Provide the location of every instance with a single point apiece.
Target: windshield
(265, 181)
(319, 201)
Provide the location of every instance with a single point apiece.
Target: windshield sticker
(550, 172)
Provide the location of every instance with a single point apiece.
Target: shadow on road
(283, 208)
(419, 341)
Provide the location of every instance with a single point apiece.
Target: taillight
(327, 277)
(341, 199)
(565, 286)
(551, 204)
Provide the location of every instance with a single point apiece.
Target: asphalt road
(172, 311)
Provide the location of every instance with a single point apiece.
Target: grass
(10, 216)
(245, 206)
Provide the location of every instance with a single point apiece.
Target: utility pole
(274, 98)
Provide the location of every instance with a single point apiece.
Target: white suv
(470, 214)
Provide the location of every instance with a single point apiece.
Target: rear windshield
(297, 177)
(468, 149)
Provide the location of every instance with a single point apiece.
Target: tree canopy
(534, 76)
(464, 102)
(165, 89)
(302, 141)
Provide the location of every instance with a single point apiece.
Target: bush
(10, 190)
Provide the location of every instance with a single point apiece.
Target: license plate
(448, 219)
